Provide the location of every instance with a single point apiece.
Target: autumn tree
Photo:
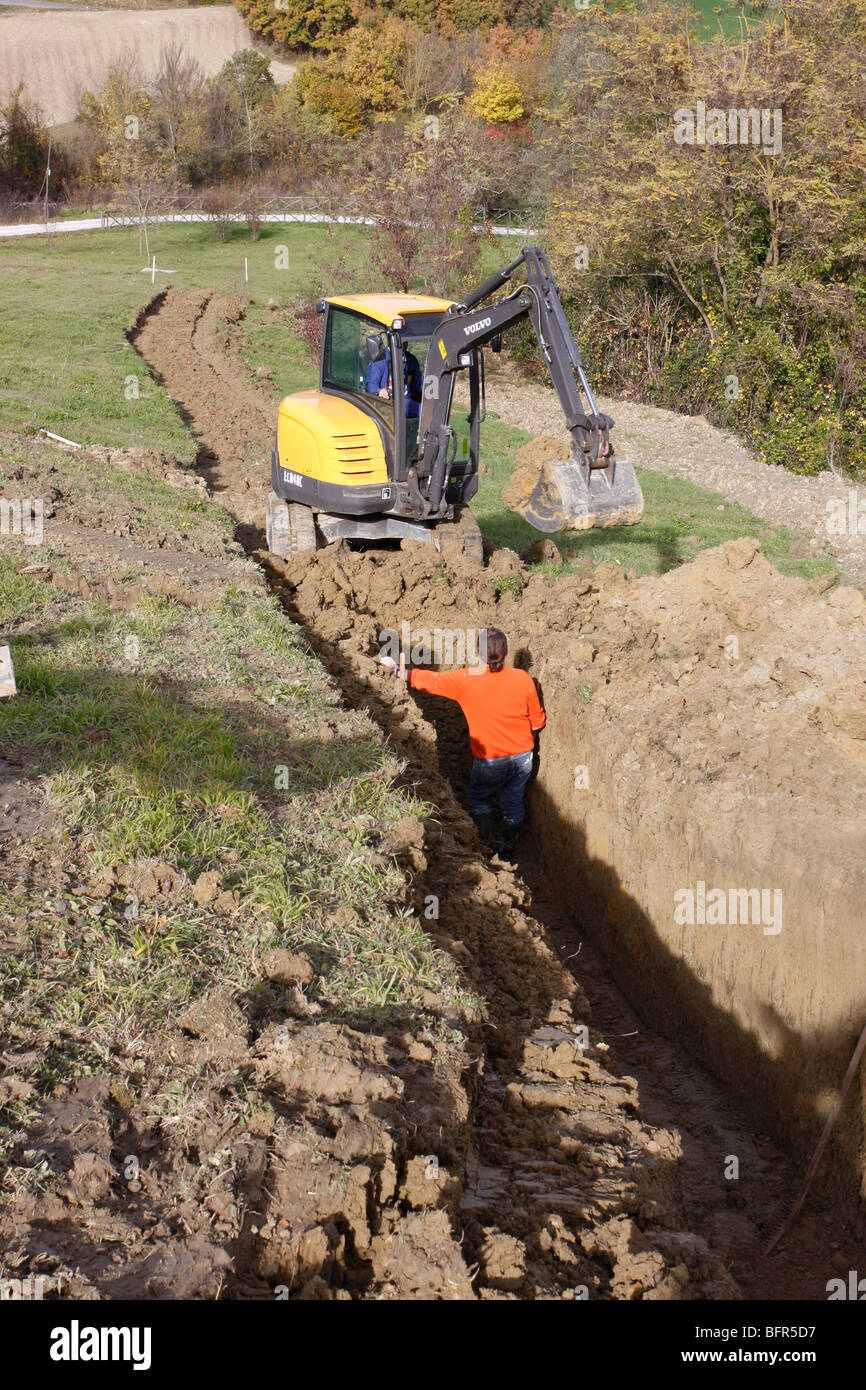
(366, 78)
(299, 137)
(239, 95)
(136, 162)
(429, 69)
(715, 266)
(178, 104)
(370, 59)
(496, 97)
(468, 16)
(419, 189)
(23, 145)
(298, 24)
(332, 99)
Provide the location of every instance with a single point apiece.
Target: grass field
(64, 361)
(152, 744)
(714, 16)
(728, 16)
(66, 365)
(170, 755)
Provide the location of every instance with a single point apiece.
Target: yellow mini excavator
(378, 453)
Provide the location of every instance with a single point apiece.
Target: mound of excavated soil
(706, 731)
(529, 469)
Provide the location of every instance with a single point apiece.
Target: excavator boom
(589, 488)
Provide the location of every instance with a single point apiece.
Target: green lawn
(169, 751)
(726, 16)
(680, 520)
(714, 16)
(65, 363)
(190, 739)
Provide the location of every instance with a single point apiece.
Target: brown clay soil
(561, 1166)
(530, 468)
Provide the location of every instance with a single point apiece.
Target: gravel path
(691, 448)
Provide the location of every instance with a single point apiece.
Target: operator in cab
(377, 381)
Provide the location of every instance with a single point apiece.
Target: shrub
(497, 98)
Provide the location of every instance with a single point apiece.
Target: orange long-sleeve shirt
(502, 708)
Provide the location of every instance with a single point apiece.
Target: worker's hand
(383, 393)
(391, 665)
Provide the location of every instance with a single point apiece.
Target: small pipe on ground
(70, 443)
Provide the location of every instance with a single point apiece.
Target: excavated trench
(602, 1168)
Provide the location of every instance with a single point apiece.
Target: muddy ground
(640, 677)
(268, 1139)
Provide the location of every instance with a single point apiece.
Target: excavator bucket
(556, 494)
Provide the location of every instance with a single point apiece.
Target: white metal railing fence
(298, 207)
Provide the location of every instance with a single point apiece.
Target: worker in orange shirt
(504, 714)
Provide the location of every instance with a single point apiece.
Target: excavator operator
(377, 381)
(504, 714)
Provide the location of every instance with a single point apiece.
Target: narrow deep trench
(676, 1127)
(736, 1218)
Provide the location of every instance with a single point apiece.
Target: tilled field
(562, 1166)
(56, 56)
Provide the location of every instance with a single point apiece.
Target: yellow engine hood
(331, 439)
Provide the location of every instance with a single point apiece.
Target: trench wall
(775, 1015)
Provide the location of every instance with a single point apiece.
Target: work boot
(510, 832)
(484, 826)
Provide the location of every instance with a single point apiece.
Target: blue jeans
(506, 777)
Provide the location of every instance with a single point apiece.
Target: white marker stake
(60, 440)
(153, 272)
(246, 272)
(7, 674)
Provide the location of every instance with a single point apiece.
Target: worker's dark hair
(495, 648)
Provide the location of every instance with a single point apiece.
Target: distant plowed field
(59, 54)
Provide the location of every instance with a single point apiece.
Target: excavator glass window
(415, 340)
(347, 365)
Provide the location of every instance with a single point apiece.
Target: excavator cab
(387, 447)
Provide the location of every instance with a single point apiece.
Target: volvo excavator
(362, 458)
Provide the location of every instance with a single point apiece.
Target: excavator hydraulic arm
(590, 488)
